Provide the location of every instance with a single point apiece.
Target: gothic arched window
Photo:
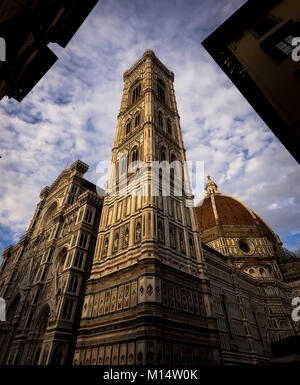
(136, 93)
(161, 91)
(160, 119)
(163, 154)
(61, 259)
(128, 127)
(135, 154)
(137, 120)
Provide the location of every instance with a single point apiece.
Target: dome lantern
(211, 187)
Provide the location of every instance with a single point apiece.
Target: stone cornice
(90, 197)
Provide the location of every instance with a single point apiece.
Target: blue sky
(72, 113)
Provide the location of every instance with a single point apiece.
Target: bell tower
(148, 300)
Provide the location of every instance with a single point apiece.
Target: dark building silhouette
(254, 47)
(27, 26)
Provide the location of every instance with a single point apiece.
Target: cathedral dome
(229, 212)
(228, 225)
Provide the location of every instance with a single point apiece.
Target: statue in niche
(126, 237)
(116, 242)
(138, 232)
(105, 247)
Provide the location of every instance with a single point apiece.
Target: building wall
(251, 311)
(276, 79)
(43, 276)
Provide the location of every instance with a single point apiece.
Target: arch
(40, 328)
(173, 158)
(163, 154)
(41, 322)
(135, 90)
(61, 259)
(161, 91)
(137, 119)
(49, 213)
(128, 126)
(135, 154)
(271, 291)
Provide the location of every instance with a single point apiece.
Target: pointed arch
(128, 126)
(41, 321)
(163, 154)
(135, 91)
(47, 218)
(135, 154)
(137, 119)
(161, 91)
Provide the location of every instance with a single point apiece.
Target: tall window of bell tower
(161, 91)
(128, 127)
(137, 120)
(136, 93)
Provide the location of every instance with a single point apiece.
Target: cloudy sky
(72, 113)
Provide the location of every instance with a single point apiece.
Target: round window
(244, 247)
